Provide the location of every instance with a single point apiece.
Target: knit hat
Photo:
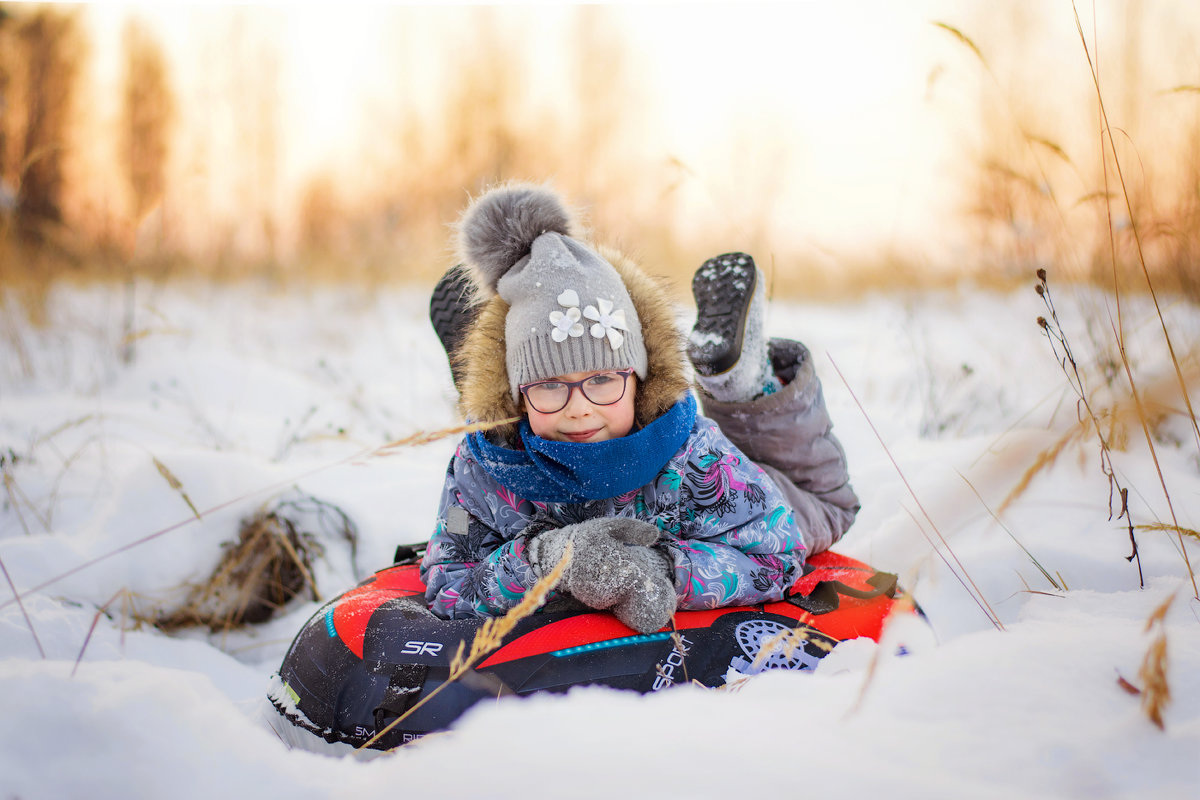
(568, 311)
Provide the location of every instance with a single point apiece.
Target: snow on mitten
(626, 530)
(651, 601)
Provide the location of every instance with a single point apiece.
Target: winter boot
(452, 310)
(728, 345)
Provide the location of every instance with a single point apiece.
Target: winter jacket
(723, 521)
(737, 534)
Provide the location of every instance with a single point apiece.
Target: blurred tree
(51, 49)
(147, 115)
(7, 172)
(321, 216)
(249, 81)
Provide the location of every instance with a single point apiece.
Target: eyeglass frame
(573, 385)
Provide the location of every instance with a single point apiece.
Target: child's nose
(577, 404)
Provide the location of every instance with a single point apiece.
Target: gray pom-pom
(499, 228)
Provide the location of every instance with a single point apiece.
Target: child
(661, 508)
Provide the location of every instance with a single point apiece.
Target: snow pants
(789, 434)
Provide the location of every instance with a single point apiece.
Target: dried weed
(25, 614)
(787, 641)
(1156, 691)
(268, 566)
(175, 484)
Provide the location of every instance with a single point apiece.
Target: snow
(245, 393)
(701, 338)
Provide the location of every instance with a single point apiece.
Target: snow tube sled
(367, 657)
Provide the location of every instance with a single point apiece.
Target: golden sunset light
(934, 137)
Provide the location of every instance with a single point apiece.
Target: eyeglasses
(550, 397)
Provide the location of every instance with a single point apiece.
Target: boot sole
(723, 288)
(450, 310)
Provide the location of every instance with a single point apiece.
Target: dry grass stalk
(965, 40)
(147, 112)
(1145, 424)
(49, 43)
(1011, 535)
(1156, 692)
(1115, 420)
(10, 486)
(16, 497)
(1162, 526)
(17, 599)
(12, 330)
(66, 426)
(956, 569)
(1017, 202)
(731, 687)
(1044, 460)
(1137, 241)
(788, 640)
(126, 598)
(489, 636)
(1119, 330)
(678, 646)
(1059, 343)
(423, 437)
(175, 484)
(1127, 687)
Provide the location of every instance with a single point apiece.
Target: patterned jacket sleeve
(737, 542)
(475, 564)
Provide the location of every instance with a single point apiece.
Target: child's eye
(599, 380)
(548, 386)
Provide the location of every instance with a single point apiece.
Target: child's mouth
(581, 436)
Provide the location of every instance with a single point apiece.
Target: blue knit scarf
(574, 472)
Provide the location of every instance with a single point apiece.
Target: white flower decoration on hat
(607, 322)
(567, 324)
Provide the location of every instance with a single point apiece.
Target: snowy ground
(241, 394)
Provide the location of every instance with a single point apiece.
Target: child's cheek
(541, 424)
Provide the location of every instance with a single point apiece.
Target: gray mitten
(651, 602)
(612, 566)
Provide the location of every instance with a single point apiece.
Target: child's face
(581, 420)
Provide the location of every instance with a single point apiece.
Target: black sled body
(369, 656)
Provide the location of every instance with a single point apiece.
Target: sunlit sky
(863, 114)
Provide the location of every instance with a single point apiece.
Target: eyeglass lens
(604, 389)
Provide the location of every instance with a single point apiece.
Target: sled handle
(884, 583)
(824, 597)
(409, 553)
